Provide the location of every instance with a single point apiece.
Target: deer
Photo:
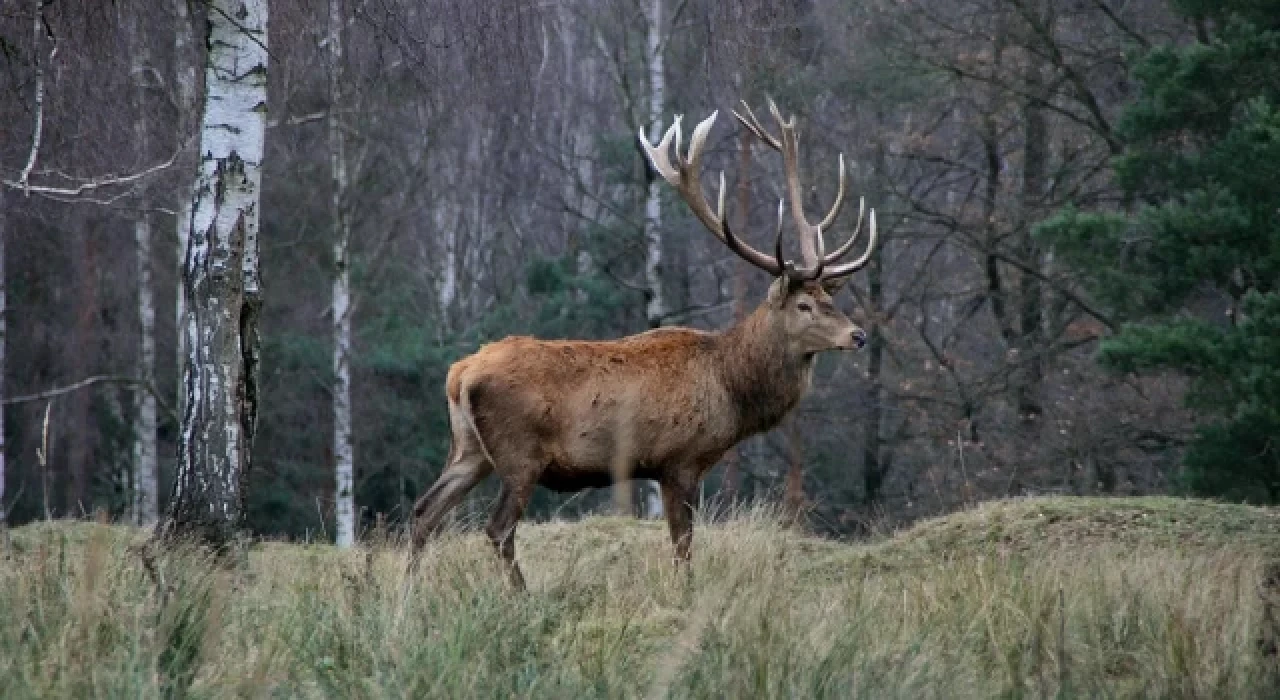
(664, 404)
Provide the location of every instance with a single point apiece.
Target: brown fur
(668, 403)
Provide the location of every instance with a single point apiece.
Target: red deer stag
(670, 402)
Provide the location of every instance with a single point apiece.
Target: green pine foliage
(1192, 265)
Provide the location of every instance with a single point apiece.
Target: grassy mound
(1040, 525)
(1045, 597)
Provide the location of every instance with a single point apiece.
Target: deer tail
(464, 394)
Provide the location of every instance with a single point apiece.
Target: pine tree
(1201, 170)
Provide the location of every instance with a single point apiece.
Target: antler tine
(807, 232)
(777, 241)
(753, 125)
(660, 155)
(777, 116)
(839, 203)
(843, 250)
(684, 177)
(854, 265)
(720, 200)
(736, 245)
(792, 272)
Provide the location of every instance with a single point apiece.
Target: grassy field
(1032, 598)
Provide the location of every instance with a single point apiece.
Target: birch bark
(343, 452)
(221, 280)
(656, 310)
(146, 485)
(185, 83)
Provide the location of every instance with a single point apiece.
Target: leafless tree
(222, 282)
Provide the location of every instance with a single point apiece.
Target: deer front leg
(677, 501)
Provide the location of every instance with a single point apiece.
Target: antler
(853, 266)
(819, 264)
(683, 176)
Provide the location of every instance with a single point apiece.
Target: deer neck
(764, 380)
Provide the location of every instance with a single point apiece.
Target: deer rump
(588, 415)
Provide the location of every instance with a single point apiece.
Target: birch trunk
(146, 486)
(221, 280)
(185, 82)
(343, 457)
(656, 309)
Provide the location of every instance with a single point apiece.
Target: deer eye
(804, 306)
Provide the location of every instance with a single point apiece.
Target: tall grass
(765, 613)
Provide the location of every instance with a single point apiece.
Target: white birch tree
(656, 310)
(221, 280)
(343, 451)
(186, 89)
(146, 484)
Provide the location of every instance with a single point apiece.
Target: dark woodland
(1076, 289)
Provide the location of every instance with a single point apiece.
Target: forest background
(1075, 291)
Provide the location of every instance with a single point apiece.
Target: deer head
(799, 299)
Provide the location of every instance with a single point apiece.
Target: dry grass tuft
(1037, 598)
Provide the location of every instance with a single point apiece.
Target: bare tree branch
(132, 382)
(89, 185)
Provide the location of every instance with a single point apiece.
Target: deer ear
(778, 292)
(835, 284)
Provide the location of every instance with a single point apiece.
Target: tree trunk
(656, 309)
(343, 453)
(146, 486)
(875, 465)
(793, 500)
(221, 281)
(81, 429)
(185, 82)
(1030, 294)
(733, 458)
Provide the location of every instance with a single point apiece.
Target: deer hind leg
(677, 502)
(501, 529)
(467, 467)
